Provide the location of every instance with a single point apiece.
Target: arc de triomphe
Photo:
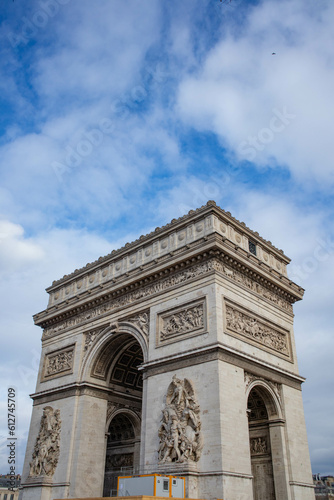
(174, 354)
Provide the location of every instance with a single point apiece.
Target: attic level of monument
(172, 226)
(206, 235)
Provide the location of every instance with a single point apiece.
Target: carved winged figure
(46, 451)
(180, 427)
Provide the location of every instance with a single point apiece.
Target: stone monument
(174, 354)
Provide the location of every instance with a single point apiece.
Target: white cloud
(15, 251)
(243, 91)
(103, 48)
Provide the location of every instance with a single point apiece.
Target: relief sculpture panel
(258, 446)
(141, 321)
(177, 324)
(58, 363)
(46, 452)
(259, 331)
(180, 429)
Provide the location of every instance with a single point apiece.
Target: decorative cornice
(123, 297)
(81, 388)
(34, 482)
(213, 260)
(303, 485)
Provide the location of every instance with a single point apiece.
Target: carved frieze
(258, 446)
(250, 327)
(179, 323)
(129, 298)
(47, 448)
(141, 321)
(58, 363)
(90, 337)
(118, 461)
(164, 284)
(253, 285)
(180, 433)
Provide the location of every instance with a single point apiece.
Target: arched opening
(260, 446)
(124, 412)
(121, 452)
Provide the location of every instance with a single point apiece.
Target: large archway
(124, 413)
(260, 447)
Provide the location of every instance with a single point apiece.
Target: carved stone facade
(174, 355)
(119, 461)
(46, 452)
(164, 284)
(258, 446)
(58, 362)
(251, 377)
(141, 320)
(130, 298)
(262, 332)
(90, 338)
(179, 323)
(180, 433)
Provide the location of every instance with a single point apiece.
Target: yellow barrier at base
(140, 497)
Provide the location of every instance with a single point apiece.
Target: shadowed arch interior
(120, 429)
(260, 445)
(111, 353)
(121, 451)
(270, 401)
(256, 407)
(124, 370)
(120, 359)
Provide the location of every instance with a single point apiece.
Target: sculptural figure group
(180, 430)
(46, 451)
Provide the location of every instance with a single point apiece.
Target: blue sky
(118, 116)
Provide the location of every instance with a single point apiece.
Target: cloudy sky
(119, 115)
